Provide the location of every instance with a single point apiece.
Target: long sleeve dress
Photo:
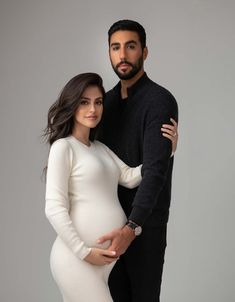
(82, 205)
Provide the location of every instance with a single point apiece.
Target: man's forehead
(124, 36)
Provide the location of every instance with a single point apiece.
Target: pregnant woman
(81, 191)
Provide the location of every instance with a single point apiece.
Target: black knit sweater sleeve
(156, 156)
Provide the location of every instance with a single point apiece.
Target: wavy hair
(60, 119)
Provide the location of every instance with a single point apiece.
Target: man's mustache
(124, 62)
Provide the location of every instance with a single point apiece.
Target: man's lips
(124, 65)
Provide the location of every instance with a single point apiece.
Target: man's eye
(115, 48)
(131, 46)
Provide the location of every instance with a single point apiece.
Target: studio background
(191, 52)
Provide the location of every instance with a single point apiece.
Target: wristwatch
(135, 227)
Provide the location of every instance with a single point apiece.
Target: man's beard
(129, 75)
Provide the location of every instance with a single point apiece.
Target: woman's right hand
(171, 132)
(100, 257)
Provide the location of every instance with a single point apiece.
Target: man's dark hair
(131, 26)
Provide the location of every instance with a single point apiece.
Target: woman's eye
(83, 102)
(99, 102)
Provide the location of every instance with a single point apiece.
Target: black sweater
(132, 129)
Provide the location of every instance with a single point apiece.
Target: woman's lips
(92, 117)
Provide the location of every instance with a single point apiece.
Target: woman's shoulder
(61, 151)
(62, 141)
(99, 144)
(61, 144)
(102, 146)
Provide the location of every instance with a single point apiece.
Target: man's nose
(122, 53)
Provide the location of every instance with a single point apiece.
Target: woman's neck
(82, 134)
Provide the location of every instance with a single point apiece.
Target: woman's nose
(92, 107)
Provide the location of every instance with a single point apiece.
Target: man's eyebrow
(126, 43)
(114, 44)
(131, 42)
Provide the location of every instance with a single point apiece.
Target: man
(135, 110)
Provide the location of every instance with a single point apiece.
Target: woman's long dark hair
(60, 120)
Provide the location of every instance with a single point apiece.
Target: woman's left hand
(171, 132)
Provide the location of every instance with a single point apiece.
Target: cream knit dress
(82, 205)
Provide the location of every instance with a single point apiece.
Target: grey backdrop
(191, 52)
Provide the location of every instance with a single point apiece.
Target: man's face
(126, 54)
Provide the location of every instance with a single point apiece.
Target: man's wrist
(128, 232)
(137, 229)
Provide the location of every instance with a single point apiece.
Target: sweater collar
(135, 87)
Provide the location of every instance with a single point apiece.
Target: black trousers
(137, 275)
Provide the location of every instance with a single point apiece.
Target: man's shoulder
(156, 88)
(156, 94)
(112, 92)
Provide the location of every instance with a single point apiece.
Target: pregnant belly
(94, 220)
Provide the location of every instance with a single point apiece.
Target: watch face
(138, 230)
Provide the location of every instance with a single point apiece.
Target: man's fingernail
(113, 252)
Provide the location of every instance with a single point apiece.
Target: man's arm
(156, 157)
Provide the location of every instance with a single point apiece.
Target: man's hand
(120, 239)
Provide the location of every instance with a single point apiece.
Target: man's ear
(145, 53)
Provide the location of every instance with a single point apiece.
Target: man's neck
(125, 84)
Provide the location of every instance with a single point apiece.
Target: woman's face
(90, 109)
